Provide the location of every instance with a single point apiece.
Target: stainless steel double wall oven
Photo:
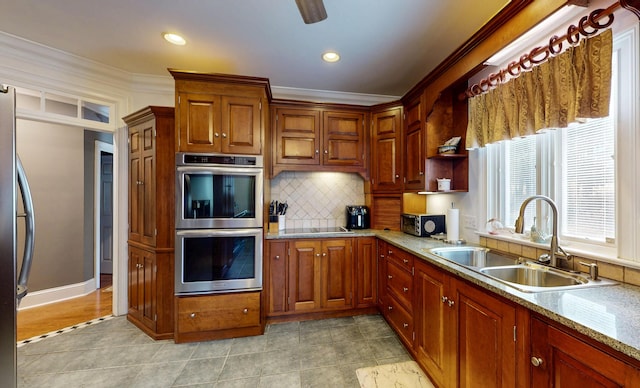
(219, 221)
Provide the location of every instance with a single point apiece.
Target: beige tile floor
(114, 353)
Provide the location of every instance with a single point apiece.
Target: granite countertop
(608, 314)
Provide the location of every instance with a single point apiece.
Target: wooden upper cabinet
(386, 154)
(297, 137)
(343, 139)
(220, 113)
(319, 139)
(414, 163)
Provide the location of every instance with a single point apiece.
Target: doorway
(103, 213)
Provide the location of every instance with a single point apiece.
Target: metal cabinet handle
(390, 308)
(216, 134)
(405, 325)
(277, 257)
(390, 276)
(390, 252)
(421, 173)
(317, 151)
(317, 255)
(451, 303)
(397, 176)
(192, 315)
(245, 311)
(326, 152)
(405, 261)
(444, 299)
(405, 289)
(324, 254)
(536, 361)
(224, 135)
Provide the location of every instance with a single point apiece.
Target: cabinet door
(386, 158)
(198, 123)
(565, 361)
(382, 274)
(142, 286)
(241, 128)
(304, 275)
(431, 320)
(366, 272)
(343, 139)
(277, 277)
(486, 346)
(297, 137)
(414, 147)
(142, 183)
(336, 274)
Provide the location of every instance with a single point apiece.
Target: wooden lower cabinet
(397, 282)
(465, 337)
(366, 272)
(150, 291)
(216, 316)
(560, 359)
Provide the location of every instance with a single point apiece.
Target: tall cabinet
(151, 219)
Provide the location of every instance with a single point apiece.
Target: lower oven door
(218, 260)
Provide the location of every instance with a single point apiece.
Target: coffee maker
(357, 217)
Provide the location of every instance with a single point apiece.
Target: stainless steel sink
(531, 277)
(519, 273)
(473, 256)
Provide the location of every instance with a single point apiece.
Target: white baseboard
(57, 294)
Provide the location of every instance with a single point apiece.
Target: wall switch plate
(470, 222)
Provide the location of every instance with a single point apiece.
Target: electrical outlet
(470, 222)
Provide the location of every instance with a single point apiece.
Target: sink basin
(473, 256)
(531, 277)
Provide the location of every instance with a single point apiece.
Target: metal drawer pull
(390, 308)
(192, 315)
(536, 361)
(444, 299)
(277, 257)
(389, 276)
(405, 261)
(405, 325)
(451, 303)
(405, 289)
(245, 311)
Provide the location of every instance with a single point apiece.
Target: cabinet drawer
(400, 319)
(217, 312)
(400, 284)
(400, 257)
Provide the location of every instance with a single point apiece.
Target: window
(587, 169)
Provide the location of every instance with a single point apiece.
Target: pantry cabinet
(220, 113)
(465, 337)
(319, 138)
(386, 150)
(151, 167)
(561, 359)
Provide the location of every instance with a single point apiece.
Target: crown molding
(327, 96)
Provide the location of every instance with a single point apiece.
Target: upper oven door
(218, 197)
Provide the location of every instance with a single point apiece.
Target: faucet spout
(554, 247)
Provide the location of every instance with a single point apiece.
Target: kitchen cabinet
(385, 210)
(447, 119)
(414, 145)
(276, 271)
(465, 337)
(220, 113)
(386, 153)
(320, 275)
(151, 153)
(560, 359)
(397, 305)
(366, 272)
(217, 316)
(319, 139)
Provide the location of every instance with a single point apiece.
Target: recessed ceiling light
(331, 56)
(174, 38)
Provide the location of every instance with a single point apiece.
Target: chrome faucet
(555, 250)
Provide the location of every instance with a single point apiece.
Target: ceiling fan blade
(312, 11)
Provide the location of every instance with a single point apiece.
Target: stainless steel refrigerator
(13, 286)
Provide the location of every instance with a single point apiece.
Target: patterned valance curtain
(573, 85)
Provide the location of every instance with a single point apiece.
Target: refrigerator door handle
(29, 217)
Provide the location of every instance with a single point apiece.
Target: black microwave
(423, 225)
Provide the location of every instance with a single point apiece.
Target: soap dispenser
(535, 235)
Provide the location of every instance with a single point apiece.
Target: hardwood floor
(41, 320)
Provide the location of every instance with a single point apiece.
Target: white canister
(444, 184)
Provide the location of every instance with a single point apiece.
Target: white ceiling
(387, 46)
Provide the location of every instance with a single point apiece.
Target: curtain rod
(540, 54)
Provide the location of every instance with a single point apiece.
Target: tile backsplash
(317, 199)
